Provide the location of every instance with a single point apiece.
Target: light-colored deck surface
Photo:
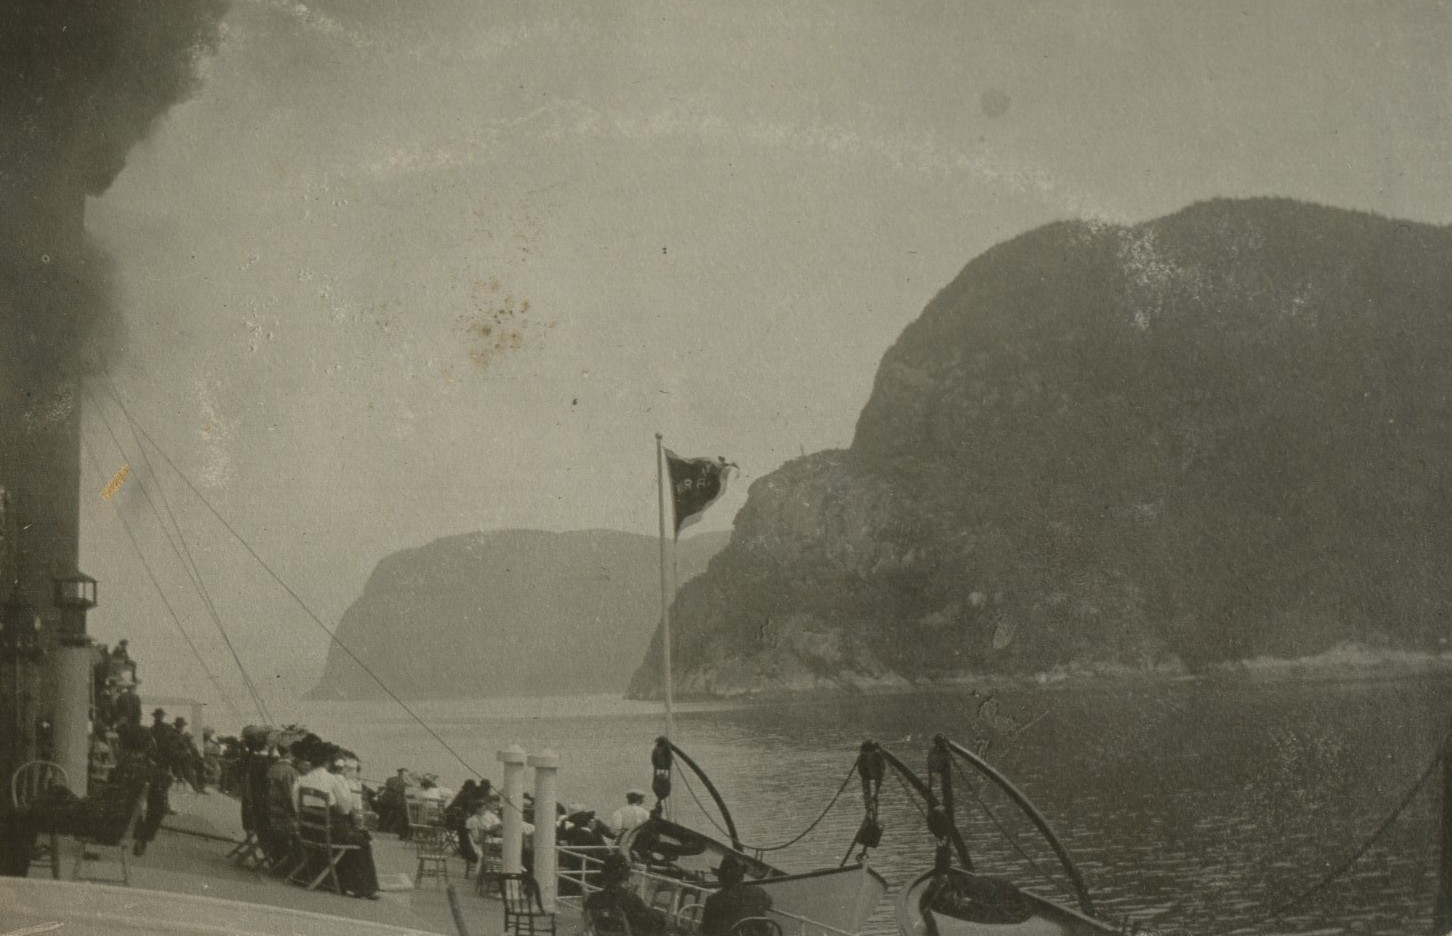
(237, 900)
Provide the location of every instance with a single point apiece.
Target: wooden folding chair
(249, 853)
(123, 848)
(524, 912)
(30, 781)
(316, 832)
(433, 843)
(491, 866)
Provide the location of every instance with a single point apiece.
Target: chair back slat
(312, 812)
(424, 813)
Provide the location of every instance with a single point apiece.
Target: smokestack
(81, 82)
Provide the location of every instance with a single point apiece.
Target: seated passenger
(734, 902)
(357, 874)
(101, 817)
(615, 909)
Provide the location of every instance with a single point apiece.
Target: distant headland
(1212, 442)
(509, 612)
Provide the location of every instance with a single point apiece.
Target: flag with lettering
(696, 483)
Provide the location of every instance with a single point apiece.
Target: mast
(665, 600)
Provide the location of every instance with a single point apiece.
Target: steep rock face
(1211, 436)
(516, 612)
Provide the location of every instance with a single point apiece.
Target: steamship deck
(239, 900)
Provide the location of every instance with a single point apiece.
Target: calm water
(1198, 804)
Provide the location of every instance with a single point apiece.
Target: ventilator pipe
(546, 769)
(512, 842)
(70, 674)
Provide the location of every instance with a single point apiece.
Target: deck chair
(433, 843)
(316, 831)
(123, 847)
(524, 912)
(30, 781)
(491, 866)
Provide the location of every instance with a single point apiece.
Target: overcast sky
(407, 268)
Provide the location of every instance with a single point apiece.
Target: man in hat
(128, 706)
(158, 759)
(280, 829)
(188, 764)
(617, 910)
(211, 759)
(734, 902)
(392, 815)
(168, 741)
(632, 814)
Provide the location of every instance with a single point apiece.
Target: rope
(909, 795)
(1295, 901)
(1345, 866)
(293, 594)
(789, 843)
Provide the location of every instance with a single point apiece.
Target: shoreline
(1349, 662)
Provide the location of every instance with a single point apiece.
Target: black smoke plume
(81, 82)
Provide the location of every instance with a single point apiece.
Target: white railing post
(546, 768)
(513, 758)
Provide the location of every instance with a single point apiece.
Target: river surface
(1193, 807)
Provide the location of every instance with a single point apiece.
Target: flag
(696, 483)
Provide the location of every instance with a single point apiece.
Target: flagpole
(665, 602)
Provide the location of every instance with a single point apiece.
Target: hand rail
(679, 910)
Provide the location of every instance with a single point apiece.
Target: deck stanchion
(512, 842)
(1442, 915)
(546, 768)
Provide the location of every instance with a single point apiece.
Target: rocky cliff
(516, 612)
(1217, 435)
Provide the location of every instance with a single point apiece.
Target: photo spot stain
(497, 325)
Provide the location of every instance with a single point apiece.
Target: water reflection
(1204, 804)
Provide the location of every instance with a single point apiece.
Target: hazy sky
(405, 268)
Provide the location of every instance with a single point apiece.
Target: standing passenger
(630, 815)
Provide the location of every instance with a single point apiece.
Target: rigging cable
(195, 579)
(1330, 877)
(787, 844)
(1295, 901)
(1008, 833)
(190, 561)
(146, 436)
(175, 618)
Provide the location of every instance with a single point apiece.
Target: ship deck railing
(681, 902)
